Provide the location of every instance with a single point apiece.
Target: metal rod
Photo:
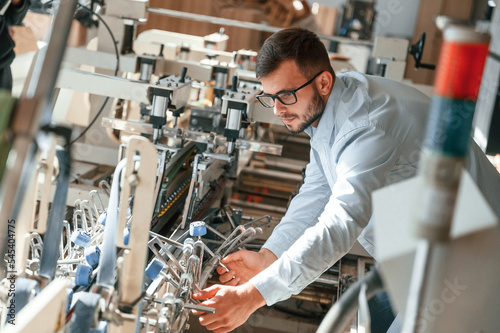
(244, 24)
(170, 268)
(258, 233)
(244, 238)
(189, 206)
(199, 308)
(216, 232)
(327, 281)
(183, 235)
(230, 238)
(166, 240)
(339, 315)
(268, 217)
(416, 294)
(106, 276)
(52, 239)
(229, 218)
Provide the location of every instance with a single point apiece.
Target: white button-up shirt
(370, 135)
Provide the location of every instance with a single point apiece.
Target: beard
(313, 112)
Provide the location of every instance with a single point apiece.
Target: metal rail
(244, 24)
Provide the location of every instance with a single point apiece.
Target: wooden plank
(326, 18)
(241, 38)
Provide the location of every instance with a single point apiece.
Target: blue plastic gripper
(83, 275)
(197, 229)
(80, 237)
(102, 218)
(126, 236)
(92, 255)
(154, 268)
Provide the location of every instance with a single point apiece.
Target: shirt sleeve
(365, 158)
(14, 15)
(304, 209)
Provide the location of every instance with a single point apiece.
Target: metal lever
(233, 236)
(245, 237)
(198, 307)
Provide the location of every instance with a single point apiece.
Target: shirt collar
(327, 122)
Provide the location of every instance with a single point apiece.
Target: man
(11, 13)
(366, 132)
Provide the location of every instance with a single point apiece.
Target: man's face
(309, 107)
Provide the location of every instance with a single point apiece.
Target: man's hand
(17, 3)
(233, 306)
(244, 265)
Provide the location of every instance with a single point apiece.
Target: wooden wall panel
(428, 10)
(239, 38)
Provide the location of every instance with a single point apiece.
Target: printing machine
(114, 231)
(111, 228)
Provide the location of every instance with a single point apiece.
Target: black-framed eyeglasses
(286, 97)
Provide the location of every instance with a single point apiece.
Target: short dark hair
(297, 44)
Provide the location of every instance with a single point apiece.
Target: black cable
(115, 44)
(340, 314)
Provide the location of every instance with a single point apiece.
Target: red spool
(461, 63)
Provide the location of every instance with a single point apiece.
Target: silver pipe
(199, 250)
(220, 80)
(327, 281)
(86, 205)
(159, 107)
(216, 232)
(189, 205)
(244, 237)
(52, 237)
(96, 198)
(420, 273)
(229, 218)
(230, 238)
(197, 307)
(146, 71)
(258, 233)
(268, 217)
(167, 240)
(208, 269)
(170, 268)
(71, 261)
(182, 236)
(187, 250)
(340, 314)
(107, 274)
(169, 254)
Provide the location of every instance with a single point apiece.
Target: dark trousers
(6, 79)
(380, 313)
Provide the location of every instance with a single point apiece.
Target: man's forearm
(268, 257)
(255, 299)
